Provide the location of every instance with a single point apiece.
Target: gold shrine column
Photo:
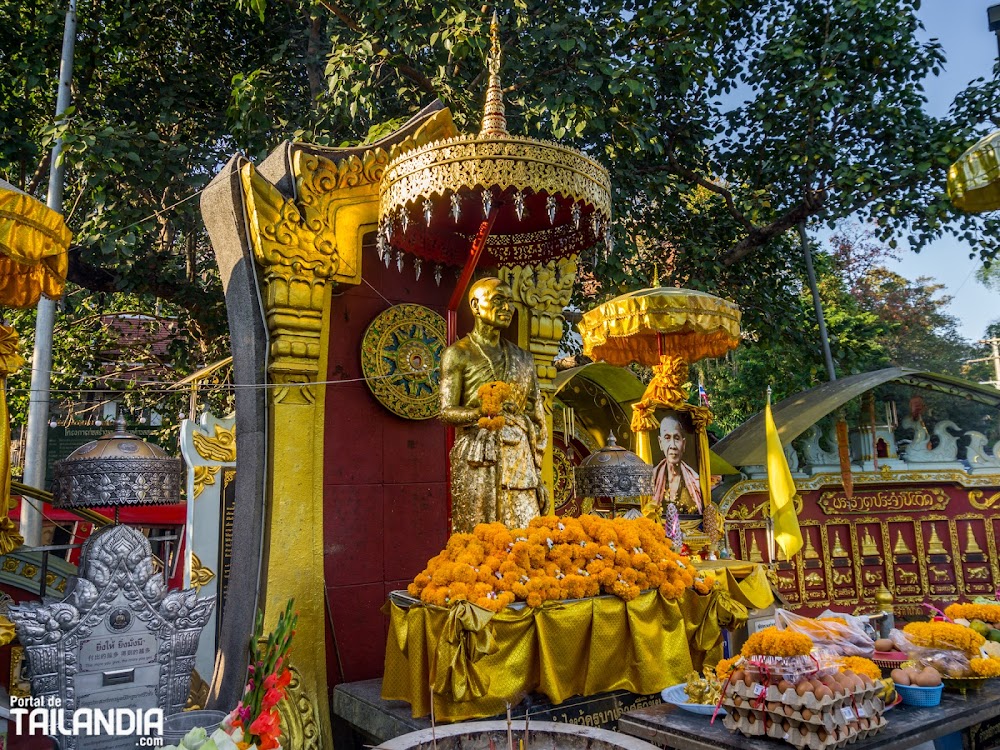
(305, 248)
(541, 293)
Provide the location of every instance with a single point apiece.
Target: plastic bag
(829, 635)
(949, 662)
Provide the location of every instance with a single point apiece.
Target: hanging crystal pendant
(608, 241)
(380, 245)
(387, 258)
(387, 228)
(575, 212)
(428, 211)
(438, 272)
(456, 207)
(595, 224)
(417, 266)
(519, 204)
(399, 261)
(404, 218)
(487, 202)
(550, 206)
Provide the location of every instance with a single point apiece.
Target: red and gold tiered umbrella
(492, 198)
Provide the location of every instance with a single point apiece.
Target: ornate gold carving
(755, 555)
(221, 447)
(934, 544)
(971, 545)
(836, 503)
(809, 553)
(906, 576)
(819, 481)
(200, 575)
(978, 573)
(938, 574)
(203, 476)
(198, 694)
(872, 577)
(868, 546)
(976, 500)
(814, 579)
(299, 726)
(541, 293)
(842, 578)
(466, 163)
(746, 512)
(838, 546)
(401, 360)
(901, 547)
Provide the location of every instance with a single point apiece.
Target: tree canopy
(724, 123)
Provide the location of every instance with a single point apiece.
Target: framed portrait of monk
(677, 460)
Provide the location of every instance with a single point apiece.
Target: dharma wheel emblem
(401, 360)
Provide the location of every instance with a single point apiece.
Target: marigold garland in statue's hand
(492, 397)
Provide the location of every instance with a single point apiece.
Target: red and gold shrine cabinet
(927, 535)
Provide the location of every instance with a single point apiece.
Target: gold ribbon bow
(466, 638)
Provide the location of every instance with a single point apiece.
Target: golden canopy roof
(33, 244)
(641, 326)
(974, 179)
(551, 201)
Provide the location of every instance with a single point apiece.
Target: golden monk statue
(495, 470)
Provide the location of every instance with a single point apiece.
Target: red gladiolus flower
(266, 724)
(270, 699)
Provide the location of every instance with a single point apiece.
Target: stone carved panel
(118, 624)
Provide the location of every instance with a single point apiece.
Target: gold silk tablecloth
(478, 662)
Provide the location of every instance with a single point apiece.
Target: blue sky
(971, 50)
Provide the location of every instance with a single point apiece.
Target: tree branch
(762, 235)
(691, 176)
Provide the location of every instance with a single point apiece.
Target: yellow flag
(781, 488)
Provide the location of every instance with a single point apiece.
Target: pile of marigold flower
(554, 558)
(988, 667)
(859, 665)
(774, 642)
(946, 635)
(968, 611)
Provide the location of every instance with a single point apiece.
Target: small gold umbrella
(667, 329)
(974, 179)
(33, 262)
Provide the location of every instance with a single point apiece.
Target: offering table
(671, 727)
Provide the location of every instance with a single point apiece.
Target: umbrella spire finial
(494, 122)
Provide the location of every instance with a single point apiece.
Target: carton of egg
(829, 712)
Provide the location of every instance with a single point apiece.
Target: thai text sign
(903, 500)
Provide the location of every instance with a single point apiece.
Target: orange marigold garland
(774, 642)
(859, 665)
(969, 611)
(989, 667)
(726, 667)
(491, 399)
(946, 635)
(555, 558)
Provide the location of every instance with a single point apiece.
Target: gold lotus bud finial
(494, 123)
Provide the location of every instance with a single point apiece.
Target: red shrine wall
(934, 542)
(385, 480)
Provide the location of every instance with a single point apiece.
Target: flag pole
(41, 362)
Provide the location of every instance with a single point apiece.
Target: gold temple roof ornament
(657, 322)
(974, 178)
(33, 244)
(546, 200)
